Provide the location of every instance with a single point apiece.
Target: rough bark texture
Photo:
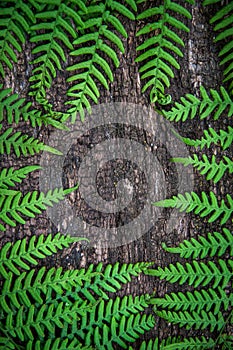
(200, 65)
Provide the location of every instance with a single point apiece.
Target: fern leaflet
(191, 106)
(195, 301)
(224, 20)
(22, 144)
(92, 44)
(202, 206)
(15, 23)
(8, 176)
(197, 273)
(157, 67)
(223, 138)
(57, 344)
(200, 320)
(214, 244)
(14, 206)
(20, 253)
(52, 28)
(211, 168)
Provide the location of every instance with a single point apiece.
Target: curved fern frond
(14, 206)
(197, 273)
(158, 57)
(196, 301)
(214, 244)
(56, 344)
(8, 176)
(22, 144)
(38, 285)
(92, 50)
(223, 138)
(213, 170)
(22, 253)
(188, 320)
(16, 16)
(52, 30)
(176, 344)
(223, 21)
(191, 106)
(202, 206)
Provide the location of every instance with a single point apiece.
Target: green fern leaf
(223, 138)
(20, 253)
(213, 170)
(191, 106)
(6, 344)
(195, 301)
(214, 244)
(56, 344)
(223, 20)
(8, 176)
(200, 320)
(22, 144)
(197, 273)
(15, 17)
(202, 206)
(176, 344)
(53, 27)
(93, 43)
(157, 68)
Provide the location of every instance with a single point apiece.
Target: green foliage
(161, 48)
(213, 170)
(8, 176)
(191, 106)
(22, 144)
(57, 344)
(14, 204)
(223, 138)
(94, 44)
(202, 206)
(50, 33)
(223, 21)
(214, 244)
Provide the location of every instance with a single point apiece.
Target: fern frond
(14, 206)
(223, 21)
(8, 176)
(158, 59)
(6, 344)
(56, 344)
(214, 244)
(22, 144)
(213, 170)
(39, 285)
(195, 301)
(188, 320)
(16, 16)
(17, 255)
(91, 50)
(223, 138)
(52, 30)
(197, 273)
(202, 206)
(191, 106)
(102, 313)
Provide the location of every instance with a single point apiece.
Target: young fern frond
(202, 206)
(160, 62)
(16, 16)
(223, 138)
(22, 253)
(196, 301)
(10, 176)
(190, 106)
(51, 33)
(214, 244)
(213, 170)
(197, 273)
(15, 205)
(223, 21)
(194, 319)
(22, 144)
(92, 49)
(38, 285)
